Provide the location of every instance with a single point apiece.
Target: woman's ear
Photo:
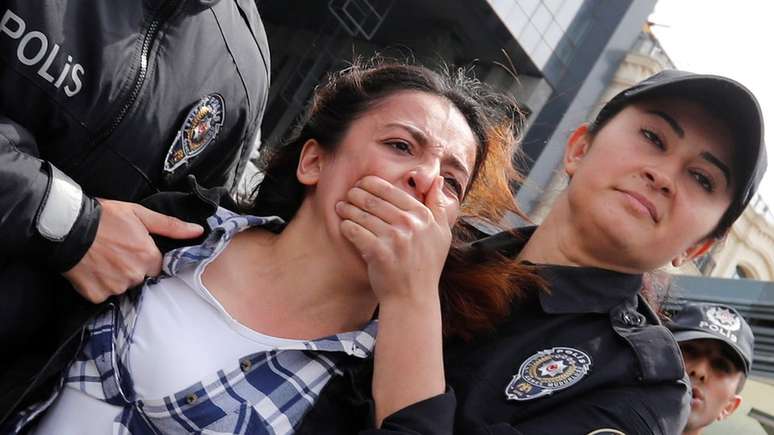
(696, 250)
(310, 163)
(577, 146)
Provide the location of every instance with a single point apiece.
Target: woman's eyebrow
(456, 163)
(422, 139)
(416, 133)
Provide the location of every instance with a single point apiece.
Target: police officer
(717, 346)
(101, 104)
(659, 176)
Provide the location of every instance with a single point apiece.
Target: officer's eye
(704, 181)
(689, 352)
(653, 138)
(722, 365)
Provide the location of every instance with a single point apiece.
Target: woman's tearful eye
(454, 185)
(401, 146)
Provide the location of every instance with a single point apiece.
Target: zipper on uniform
(149, 37)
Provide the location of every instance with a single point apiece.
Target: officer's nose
(698, 370)
(658, 180)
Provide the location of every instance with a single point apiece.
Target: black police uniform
(590, 320)
(588, 355)
(119, 99)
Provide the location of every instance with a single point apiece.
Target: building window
(705, 263)
(741, 272)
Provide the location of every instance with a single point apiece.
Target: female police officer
(659, 176)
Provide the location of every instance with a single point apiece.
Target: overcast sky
(734, 38)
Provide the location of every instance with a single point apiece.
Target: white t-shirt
(183, 335)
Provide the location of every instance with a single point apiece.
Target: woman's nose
(419, 179)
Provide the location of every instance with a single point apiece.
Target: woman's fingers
(436, 201)
(389, 193)
(403, 241)
(387, 221)
(364, 218)
(377, 206)
(366, 242)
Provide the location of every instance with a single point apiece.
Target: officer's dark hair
(609, 111)
(348, 94)
(740, 385)
(475, 295)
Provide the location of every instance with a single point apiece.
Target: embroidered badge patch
(199, 129)
(548, 371)
(724, 318)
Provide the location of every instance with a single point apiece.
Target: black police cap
(717, 322)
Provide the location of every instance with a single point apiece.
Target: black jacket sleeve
(25, 186)
(636, 410)
(646, 410)
(432, 416)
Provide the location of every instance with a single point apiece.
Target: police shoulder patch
(199, 129)
(548, 371)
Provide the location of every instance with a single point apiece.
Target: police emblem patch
(724, 318)
(199, 129)
(548, 371)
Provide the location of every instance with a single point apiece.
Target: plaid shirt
(262, 393)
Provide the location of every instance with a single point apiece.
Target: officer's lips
(697, 397)
(642, 204)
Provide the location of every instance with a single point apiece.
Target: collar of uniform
(571, 289)
(586, 289)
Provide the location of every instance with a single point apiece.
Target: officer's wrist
(67, 253)
(67, 221)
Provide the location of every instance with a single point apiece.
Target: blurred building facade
(555, 56)
(748, 251)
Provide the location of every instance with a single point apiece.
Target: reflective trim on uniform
(61, 207)
(606, 432)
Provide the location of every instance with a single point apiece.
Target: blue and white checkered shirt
(263, 393)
